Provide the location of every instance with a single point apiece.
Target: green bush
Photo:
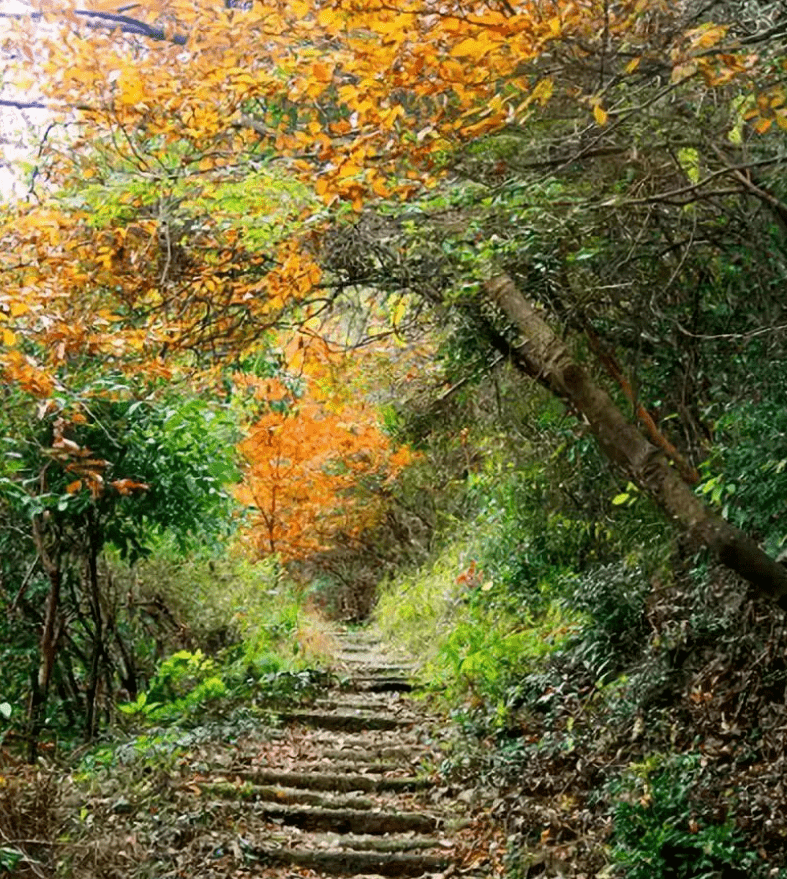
(746, 474)
(663, 830)
(611, 600)
(264, 640)
(185, 684)
(531, 540)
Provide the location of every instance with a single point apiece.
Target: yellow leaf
(131, 89)
(709, 35)
(399, 312)
(321, 72)
(9, 338)
(349, 169)
(379, 187)
(600, 114)
(328, 17)
(689, 161)
(542, 91)
(633, 65)
(472, 47)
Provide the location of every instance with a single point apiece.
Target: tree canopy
(212, 161)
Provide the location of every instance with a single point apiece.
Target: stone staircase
(343, 789)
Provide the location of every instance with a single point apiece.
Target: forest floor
(346, 785)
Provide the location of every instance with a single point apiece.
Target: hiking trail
(343, 787)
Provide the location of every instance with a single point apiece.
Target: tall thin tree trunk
(98, 647)
(50, 635)
(544, 356)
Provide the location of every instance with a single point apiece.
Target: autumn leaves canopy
(190, 165)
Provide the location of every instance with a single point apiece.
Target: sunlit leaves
(600, 114)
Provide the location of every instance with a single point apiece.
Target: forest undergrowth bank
(618, 698)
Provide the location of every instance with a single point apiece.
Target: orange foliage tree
(316, 467)
(148, 250)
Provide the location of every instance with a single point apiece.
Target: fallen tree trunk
(544, 356)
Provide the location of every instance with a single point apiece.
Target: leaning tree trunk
(545, 357)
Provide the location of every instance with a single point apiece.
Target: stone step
(357, 767)
(351, 863)
(346, 721)
(379, 684)
(331, 781)
(402, 753)
(367, 740)
(373, 666)
(354, 702)
(248, 792)
(359, 842)
(356, 821)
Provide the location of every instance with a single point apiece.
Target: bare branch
(113, 21)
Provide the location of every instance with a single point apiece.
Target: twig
(22, 588)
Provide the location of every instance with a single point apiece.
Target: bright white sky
(16, 143)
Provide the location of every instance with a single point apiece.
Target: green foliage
(527, 580)
(611, 600)
(184, 450)
(178, 450)
(663, 830)
(532, 544)
(472, 649)
(746, 474)
(10, 859)
(266, 643)
(185, 684)
(485, 656)
(417, 609)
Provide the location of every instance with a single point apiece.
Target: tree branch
(113, 21)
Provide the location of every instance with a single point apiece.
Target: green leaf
(689, 160)
(620, 498)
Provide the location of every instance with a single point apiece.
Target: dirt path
(343, 788)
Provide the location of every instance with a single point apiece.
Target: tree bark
(544, 356)
(98, 648)
(50, 636)
(51, 631)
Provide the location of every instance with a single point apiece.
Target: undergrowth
(254, 645)
(617, 700)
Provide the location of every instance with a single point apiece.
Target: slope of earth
(344, 786)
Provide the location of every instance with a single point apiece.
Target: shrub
(185, 683)
(611, 599)
(663, 830)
